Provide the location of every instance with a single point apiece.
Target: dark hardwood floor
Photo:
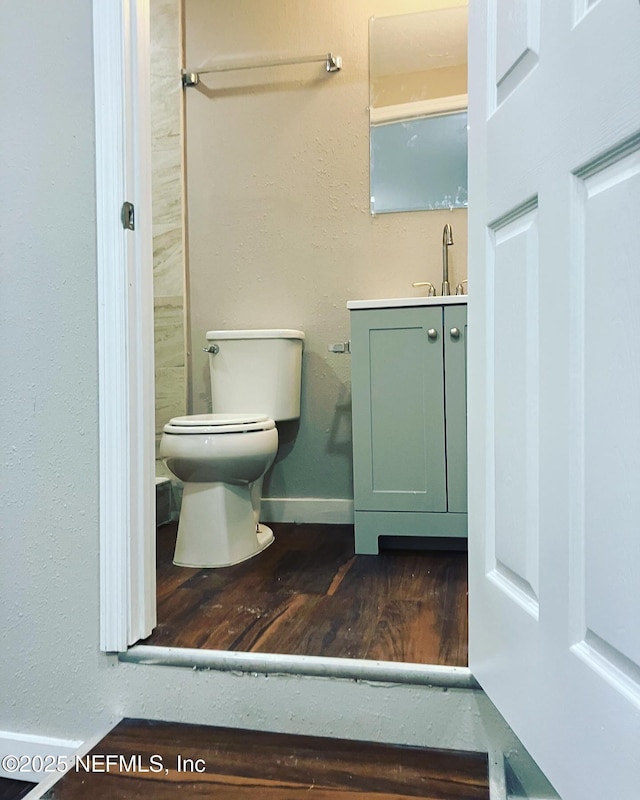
(239, 764)
(13, 790)
(308, 594)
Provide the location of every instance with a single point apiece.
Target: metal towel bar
(192, 77)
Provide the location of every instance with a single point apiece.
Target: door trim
(125, 323)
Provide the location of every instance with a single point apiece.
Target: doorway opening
(401, 606)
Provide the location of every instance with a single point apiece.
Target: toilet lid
(219, 423)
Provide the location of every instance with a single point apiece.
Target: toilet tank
(256, 371)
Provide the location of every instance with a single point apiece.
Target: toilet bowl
(221, 459)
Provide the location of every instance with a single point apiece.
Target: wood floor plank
(405, 631)
(340, 576)
(309, 594)
(325, 627)
(242, 764)
(267, 615)
(11, 789)
(284, 631)
(453, 623)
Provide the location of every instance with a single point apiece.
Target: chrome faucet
(447, 241)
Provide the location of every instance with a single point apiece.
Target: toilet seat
(219, 424)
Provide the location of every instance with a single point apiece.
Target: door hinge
(127, 216)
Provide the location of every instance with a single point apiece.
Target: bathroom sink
(403, 302)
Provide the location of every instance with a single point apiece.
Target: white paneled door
(554, 382)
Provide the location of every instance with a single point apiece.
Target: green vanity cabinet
(408, 383)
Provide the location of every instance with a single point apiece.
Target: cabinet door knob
(455, 333)
(432, 333)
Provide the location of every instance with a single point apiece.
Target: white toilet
(222, 457)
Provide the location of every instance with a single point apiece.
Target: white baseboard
(310, 510)
(35, 757)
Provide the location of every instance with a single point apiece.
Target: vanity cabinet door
(398, 409)
(455, 377)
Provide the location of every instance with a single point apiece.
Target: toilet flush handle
(213, 349)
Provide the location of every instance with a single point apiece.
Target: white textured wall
(54, 680)
(280, 234)
(48, 392)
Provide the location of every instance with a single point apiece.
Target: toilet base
(218, 526)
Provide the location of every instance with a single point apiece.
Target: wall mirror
(418, 110)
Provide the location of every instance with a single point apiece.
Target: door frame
(125, 323)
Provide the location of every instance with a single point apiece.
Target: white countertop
(404, 302)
